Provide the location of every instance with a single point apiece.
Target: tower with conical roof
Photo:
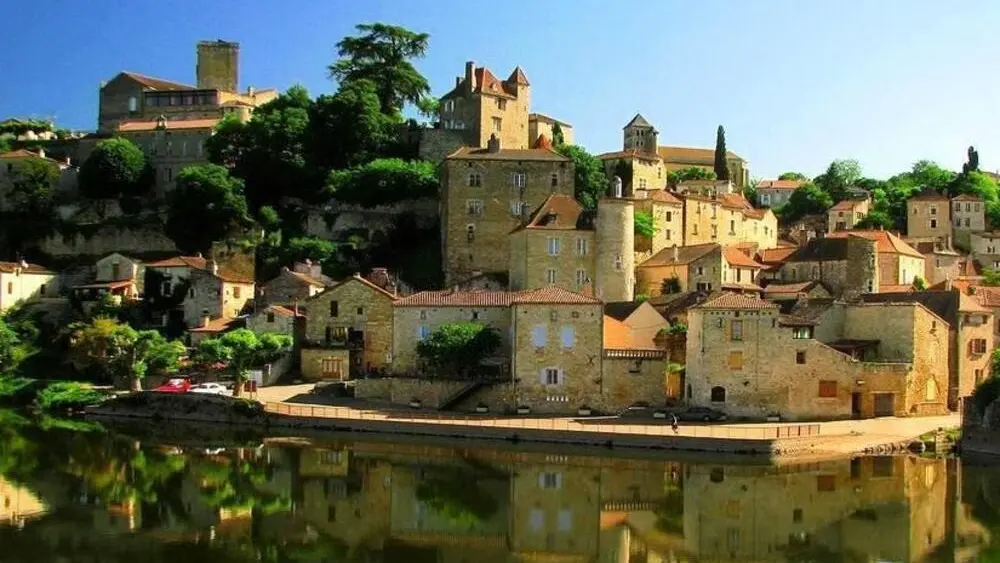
(640, 135)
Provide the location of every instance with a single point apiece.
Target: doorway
(855, 405)
(885, 404)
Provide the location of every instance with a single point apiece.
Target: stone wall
(407, 321)
(530, 260)
(109, 239)
(337, 219)
(435, 144)
(400, 390)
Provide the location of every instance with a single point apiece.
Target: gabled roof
(945, 304)
(449, 298)
(929, 194)
(283, 311)
(790, 185)
(987, 296)
(846, 205)
(156, 83)
(789, 288)
(663, 196)
(558, 213)
(488, 83)
(169, 125)
(200, 263)
(741, 301)
(542, 142)
(25, 153)
(546, 119)
(692, 155)
(553, 295)
(967, 197)
(473, 153)
(106, 285)
(735, 257)
(638, 121)
(630, 153)
(304, 278)
(684, 255)
(362, 281)
(26, 268)
(770, 256)
(810, 309)
(884, 241)
(620, 310)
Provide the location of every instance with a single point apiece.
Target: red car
(175, 385)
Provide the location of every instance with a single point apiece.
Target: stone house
(969, 213)
(771, 259)
(747, 359)
(928, 215)
(985, 249)
(843, 216)
(970, 340)
(701, 267)
(207, 327)
(480, 106)
(727, 219)
(667, 212)
(540, 125)
(217, 291)
(348, 331)
(299, 283)
(278, 319)
(898, 262)
(796, 290)
(775, 193)
(941, 262)
(66, 184)
(556, 246)
(21, 281)
(116, 274)
(646, 169)
(483, 196)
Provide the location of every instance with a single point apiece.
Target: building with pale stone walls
(728, 219)
(898, 262)
(941, 261)
(646, 170)
(116, 274)
(278, 319)
(22, 282)
(556, 246)
(484, 195)
(217, 292)
(775, 193)
(928, 215)
(296, 284)
(700, 267)
(482, 106)
(984, 247)
(348, 331)
(544, 126)
(744, 357)
(845, 215)
(667, 212)
(968, 213)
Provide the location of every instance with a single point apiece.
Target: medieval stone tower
(615, 237)
(218, 65)
(640, 135)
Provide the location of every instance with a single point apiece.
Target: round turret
(615, 238)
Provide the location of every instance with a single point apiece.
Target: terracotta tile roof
(929, 194)
(554, 295)
(27, 268)
(663, 196)
(740, 301)
(364, 282)
(449, 298)
(200, 263)
(736, 257)
(969, 268)
(630, 153)
(221, 324)
(157, 83)
(684, 255)
(846, 205)
(791, 320)
(24, 153)
(617, 335)
(487, 83)
(691, 155)
(742, 287)
(542, 142)
(546, 119)
(884, 241)
(969, 304)
(283, 311)
(472, 153)
(788, 288)
(895, 288)
(775, 255)
(987, 296)
(171, 125)
(558, 213)
(967, 197)
(780, 184)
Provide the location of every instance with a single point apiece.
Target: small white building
(21, 281)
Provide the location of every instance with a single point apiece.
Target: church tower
(640, 135)
(615, 234)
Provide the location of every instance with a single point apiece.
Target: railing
(595, 425)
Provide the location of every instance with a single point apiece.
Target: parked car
(703, 414)
(210, 389)
(175, 385)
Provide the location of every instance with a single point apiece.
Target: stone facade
(482, 106)
(413, 323)
(614, 271)
(353, 319)
(291, 286)
(221, 296)
(109, 239)
(846, 214)
(276, 319)
(848, 266)
(218, 65)
(402, 390)
(727, 220)
(542, 125)
(555, 247)
(703, 267)
(117, 267)
(968, 213)
(483, 196)
(928, 215)
(775, 193)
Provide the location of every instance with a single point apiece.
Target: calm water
(85, 493)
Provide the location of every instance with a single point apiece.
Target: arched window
(931, 391)
(718, 394)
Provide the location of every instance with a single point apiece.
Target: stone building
(482, 106)
(941, 261)
(484, 193)
(217, 292)
(985, 248)
(642, 323)
(775, 193)
(700, 267)
(969, 213)
(540, 125)
(845, 215)
(116, 274)
(747, 359)
(898, 262)
(556, 246)
(795, 291)
(728, 219)
(278, 319)
(970, 338)
(348, 331)
(296, 284)
(21, 281)
(645, 170)
(10, 165)
(667, 212)
(928, 215)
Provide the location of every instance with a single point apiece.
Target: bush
(67, 395)
(985, 393)
(18, 391)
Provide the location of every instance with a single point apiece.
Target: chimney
(458, 81)
(470, 75)
(677, 253)
(251, 92)
(212, 266)
(205, 318)
(198, 255)
(493, 144)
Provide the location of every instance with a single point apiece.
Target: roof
(884, 241)
(106, 285)
(820, 250)
(780, 184)
(156, 83)
(450, 298)
(170, 124)
(969, 268)
(967, 197)
(201, 263)
(968, 304)
(742, 301)
(792, 320)
(620, 310)
(221, 324)
(811, 308)
(26, 268)
(306, 278)
(617, 334)
(473, 153)
(518, 77)
(542, 142)
(362, 281)
(736, 257)
(283, 311)
(895, 288)
(684, 255)
(488, 83)
(988, 296)
(932, 247)
(629, 153)
(929, 194)
(691, 155)
(776, 255)
(546, 119)
(789, 288)
(847, 204)
(558, 213)
(638, 121)
(25, 153)
(945, 304)
(663, 196)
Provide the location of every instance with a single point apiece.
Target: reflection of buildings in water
(977, 514)
(18, 504)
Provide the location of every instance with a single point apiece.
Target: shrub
(66, 395)
(985, 393)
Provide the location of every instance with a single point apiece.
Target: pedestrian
(674, 422)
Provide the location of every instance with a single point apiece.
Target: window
(666, 234)
(517, 179)
(581, 277)
(933, 223)
(701, 270)
(968, 207)
(715, 231)
(539, 336)
(827, 389)
(882, 466)
(800, 357)
(236, 292)
(933, 210)
(979, 376)
(423, 315)
(516, 207)
(568, 336)
(581, 247)
(967, 223)
(736, 329)
(497, 124)
(360, 311)
(474, 206)
(618, 262)
(958, 207)
(133, 104)
(334, 308)
(270, 317)
(555, 179)
(550, 376)
(550, 276)
(41, 290)
(669, 216)
(470, 233)
(475, 180)
(423, 331)
(642, 183)
(977, 346)
(10, 288)
(537, 520)
(565, 520)
(449, 105)
(550, 480)
(165, 290)
(718, 394)
(333, 367)
(554, 245)
(977, 208)
(736, 360)
(802, 332)
(169, 171)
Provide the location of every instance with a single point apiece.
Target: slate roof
(967, 197)
(789, 288)
(638, 121)
(283, 311)
(559, 213)
(945, 304)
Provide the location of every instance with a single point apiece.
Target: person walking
(674, 422)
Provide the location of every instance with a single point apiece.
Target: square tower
(218, 65)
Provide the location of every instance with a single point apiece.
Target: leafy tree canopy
(457, 348)
(208, 205)
(383, 181)
(876, 219)
(807, 199)
(350, 128)
(590, 180)
(31, 202)
(645, 224)
(240, 350)
(793, 176)
(116, 168)
(688, 174)
(840, 175)
(113, 349)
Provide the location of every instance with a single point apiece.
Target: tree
(794, 176)
(117, 350)
(588, 173)
(429, 107)
(383, 181)
(644, 224)
(623, 170)
(991, 278)
(458, 348)
(721, 163)
(919, 284)
(840, 175)
(558, 139)
(9, 344)
(972, 164)
(349, 128)
(381, 54)
(208, 205)
(116, 168)
(876, 219)
(688, 174)
(30, 201)
(671, 285)
(750, 190)
(240, 350)
(807, 199)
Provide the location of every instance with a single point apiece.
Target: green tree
(588, 173)
(10, 343)
(208, 205)
(349, 128)
(671, 285)
(644, 224)
(919, 284)
(558, 139)
(429, 107)
(840, 175)
(972, 164)
(116, 168)
(750, 190)
(721, 163)
(240, 350)
(623, 169)
(876, 219)
(991, 277)
(383, 181)
(688, 174)
(794, 176)
(31, 202)
(382, 54)
(458, 348)
(807, 199)
(113, 349)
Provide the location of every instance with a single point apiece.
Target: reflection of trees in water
(456, 496)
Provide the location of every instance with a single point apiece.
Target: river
(75, 491)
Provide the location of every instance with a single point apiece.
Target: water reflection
(84, 494)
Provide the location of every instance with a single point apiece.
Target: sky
(795, 83)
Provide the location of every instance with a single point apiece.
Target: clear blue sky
(796, 83)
